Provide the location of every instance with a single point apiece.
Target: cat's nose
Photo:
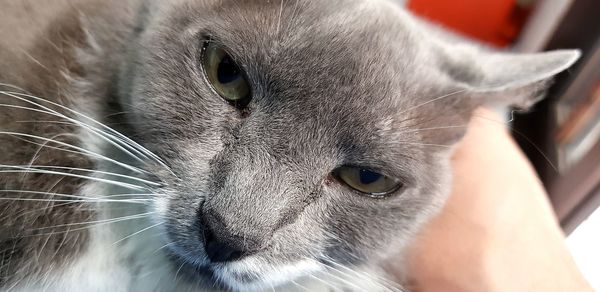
(224, 243)
(220, 251)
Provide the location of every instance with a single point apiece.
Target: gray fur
(342, 82)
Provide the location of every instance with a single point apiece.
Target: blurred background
(561, 135)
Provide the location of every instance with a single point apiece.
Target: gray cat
(196, 145)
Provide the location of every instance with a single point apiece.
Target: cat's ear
(508, 79)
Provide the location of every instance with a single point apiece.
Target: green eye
(367, 181)
(224, 74)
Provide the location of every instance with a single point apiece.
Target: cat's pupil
(227, 71)
(368, 177)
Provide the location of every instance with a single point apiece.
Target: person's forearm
(497, 231)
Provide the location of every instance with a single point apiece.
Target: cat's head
(305, 132)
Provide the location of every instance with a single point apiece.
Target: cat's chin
(249, 274)
(252, 274)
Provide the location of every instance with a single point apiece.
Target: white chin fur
(307, 275)
(270, 277)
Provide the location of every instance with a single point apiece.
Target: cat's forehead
(359, 64)
(361, 32)
(341, 50)
(352, 29)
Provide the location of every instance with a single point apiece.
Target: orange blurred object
(497, 22)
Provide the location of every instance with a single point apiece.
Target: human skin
(497, 231)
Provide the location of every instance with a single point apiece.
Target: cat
(194, 145)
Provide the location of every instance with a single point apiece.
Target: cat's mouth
(252, 273)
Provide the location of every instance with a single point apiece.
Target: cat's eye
(367, 181)
(225, 76)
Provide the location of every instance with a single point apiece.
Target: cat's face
(257, 199)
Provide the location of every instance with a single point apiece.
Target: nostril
(220, 252)
(207, 236)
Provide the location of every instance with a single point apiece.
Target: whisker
(118, 219)
(340, 278)
(94, 155)
(12, 86)
(107, 181)
(381, 281)
(138, 232)
(279, 18)
(84, 170)
(301, 286)
(70, 203)
(422, 144)
(45, 122)
(30, 57)
(37, 152)
(536, 147)
(129, 195)
(433, 129)
(81, 198)
(179, 270)
(326, 283)
(431, 101)
(28, 109)
(81, 228)
(162, 247)
(133, 201)
(133, 168)
(52, 112)
(124, 140)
